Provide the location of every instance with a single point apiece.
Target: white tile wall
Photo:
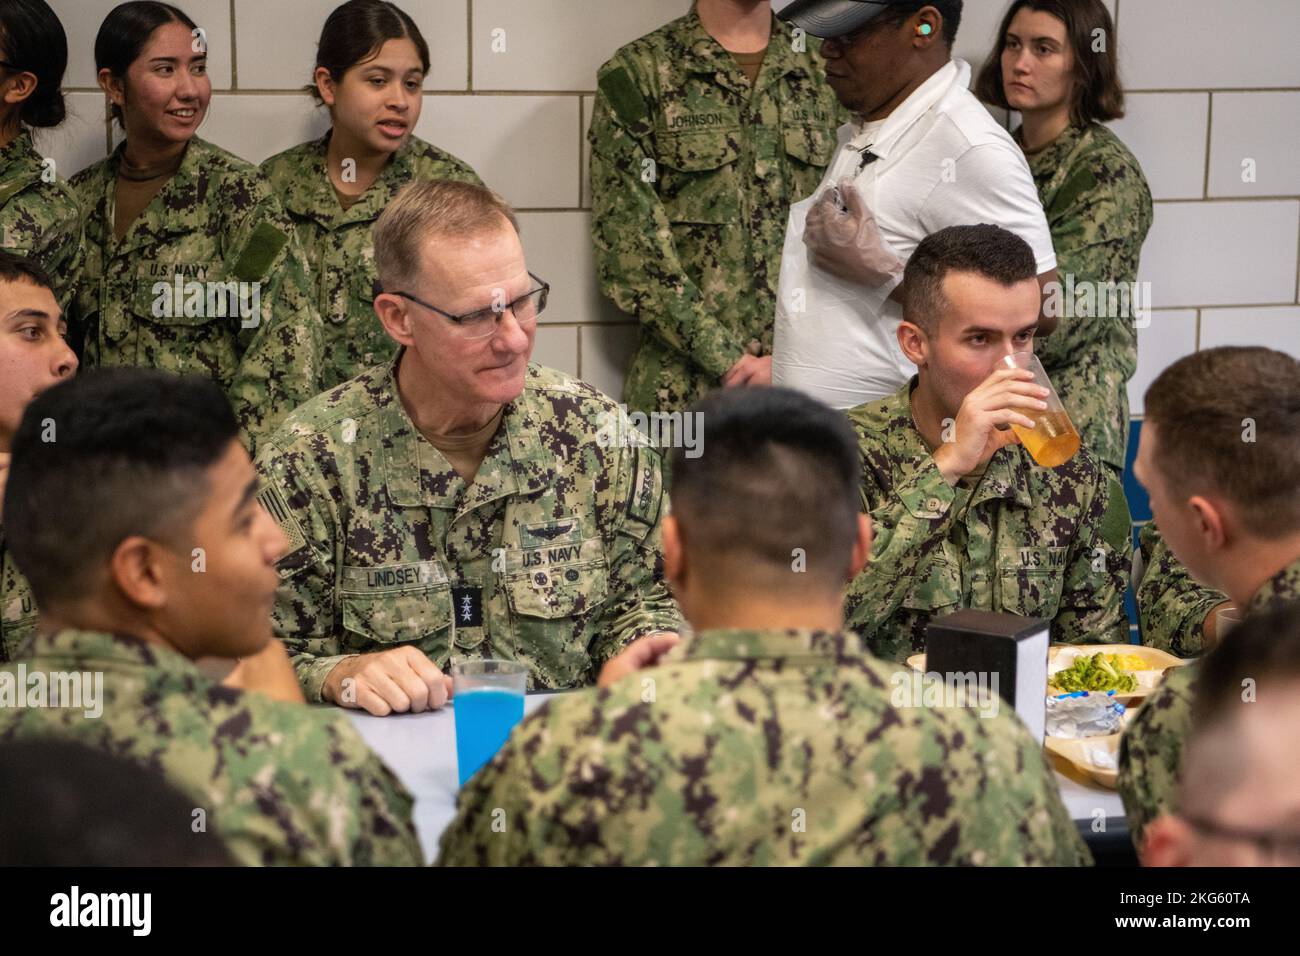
(1166, 132)
(80, 141)
(81, 20)
(1209, 44)
(294, 27)
(1208, 254)
(256, 126)
(1277, 328)
(1255, 144)
(1222, 253)
(552, 44)
(1170, 336)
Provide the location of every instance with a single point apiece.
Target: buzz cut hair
(778, 481)
(1227, 421)
(984, 250)
(110, 454)
(433, 209)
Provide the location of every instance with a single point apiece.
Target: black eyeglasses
(481, 323)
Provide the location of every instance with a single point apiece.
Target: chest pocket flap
(698, 180)
(1031, 579)
(393, 604)
(558, 581)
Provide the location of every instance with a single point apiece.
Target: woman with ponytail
(39, 217)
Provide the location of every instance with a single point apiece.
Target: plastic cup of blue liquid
(488, 700)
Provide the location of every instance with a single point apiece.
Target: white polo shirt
(944, 161)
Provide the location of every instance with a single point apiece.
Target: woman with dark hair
(370, 68)
(190, 262)
(1056, 63)
(39, 216)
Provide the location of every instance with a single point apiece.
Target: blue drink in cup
(487, 701)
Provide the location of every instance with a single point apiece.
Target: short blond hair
(430, 209)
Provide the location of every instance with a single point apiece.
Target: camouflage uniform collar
(92, 650)
(184, 182)
(418, 474)
(707, 55)
(747, 644)
(1006, 475)
(1061, 153)
(318, 201)
(1281, 588)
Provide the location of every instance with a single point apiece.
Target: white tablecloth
(421, 750)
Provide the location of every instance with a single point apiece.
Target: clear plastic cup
(487, 701)
(1053, 440)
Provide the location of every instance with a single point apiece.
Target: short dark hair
(986, 250)
(16, 268)
(1097, 95)
(1264, 648)
(1228, 420)
(126, 30)
(32, 41)
(112, 453)
(354, 31)
(67, 804)
(778, 472)
(950, 10)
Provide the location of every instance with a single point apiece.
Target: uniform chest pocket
(558, 590)
(698, 177)
(936, 585)
(1031, 580)
(381, 604)
(194, 300)
(811, 145)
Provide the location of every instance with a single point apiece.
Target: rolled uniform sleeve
(640, 603)
(636, 259)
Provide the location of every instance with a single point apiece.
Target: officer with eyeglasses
(460, 502)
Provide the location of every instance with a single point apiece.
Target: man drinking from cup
(964, 516)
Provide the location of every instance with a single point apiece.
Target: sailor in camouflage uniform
(1151, 749)
(1097, 202)
(338, 243)
(39, 215)
(776, 744)
(1192, 448)
(278, 782)
(1099, 209)
(374, 104)
(35, 355)
(215, 222)
(543, 547)
(996, 531)
(694, 166)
